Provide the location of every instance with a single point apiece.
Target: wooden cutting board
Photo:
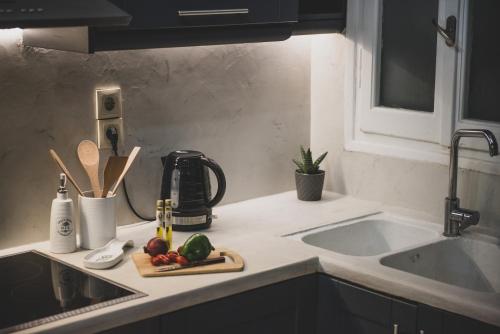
(234, 262)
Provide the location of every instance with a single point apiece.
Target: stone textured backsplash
(246, 106)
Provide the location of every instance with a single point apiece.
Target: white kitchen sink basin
(370, 236)
(468, 263)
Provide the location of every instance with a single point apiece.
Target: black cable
(112, 135)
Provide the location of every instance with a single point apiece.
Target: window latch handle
(449, 34)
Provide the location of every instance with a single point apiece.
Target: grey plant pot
(309, 186)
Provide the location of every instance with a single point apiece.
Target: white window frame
(403, 133)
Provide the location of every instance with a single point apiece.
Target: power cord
(112, 135)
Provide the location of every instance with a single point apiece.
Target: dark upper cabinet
(321, 16)
(173, 23)
(198, 13)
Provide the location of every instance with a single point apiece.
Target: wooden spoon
(112, 171)
(130, 160)
(65, 170)
(88, 153)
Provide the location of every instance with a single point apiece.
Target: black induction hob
(36, 289)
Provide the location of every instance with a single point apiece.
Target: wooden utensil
(88, 153)
(63, 168)
(112, 171)
(146, 269)
(130, 160)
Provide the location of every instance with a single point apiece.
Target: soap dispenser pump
(62, 227)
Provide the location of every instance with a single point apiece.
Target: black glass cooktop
(36, 289)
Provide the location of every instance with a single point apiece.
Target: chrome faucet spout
(455, 141)
(456, 218)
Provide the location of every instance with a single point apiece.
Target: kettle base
(197, 227)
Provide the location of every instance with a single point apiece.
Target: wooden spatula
(130, 160)
(63, 168)
(88, 153)
(112, 171)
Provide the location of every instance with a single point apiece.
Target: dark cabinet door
(321, 16)
(456, 324)
(194, 13)
(344, 308)
(322, 7)
(404, 316)
(429, 320)
(436, 321)
(363, 311)
(149, 326)
(284, 308)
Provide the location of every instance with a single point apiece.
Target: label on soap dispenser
(64, 227)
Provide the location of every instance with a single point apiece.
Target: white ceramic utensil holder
(97, 220)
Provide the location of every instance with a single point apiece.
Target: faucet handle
(465, 217)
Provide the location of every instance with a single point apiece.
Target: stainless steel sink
(465, 262)
(370, 236)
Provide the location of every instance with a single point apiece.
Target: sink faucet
(457, 219)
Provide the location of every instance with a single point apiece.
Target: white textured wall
(410, 184)
(246, 106)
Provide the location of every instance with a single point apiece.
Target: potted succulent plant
(309, 178)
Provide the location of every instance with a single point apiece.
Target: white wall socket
(108, 103)
(103, 125)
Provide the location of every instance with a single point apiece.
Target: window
(410, 90)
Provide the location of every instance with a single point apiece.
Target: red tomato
(172, 256)
(164, 259)
(182, 260)
(160, 260)
(156, 261)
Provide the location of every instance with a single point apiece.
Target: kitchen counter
(254, 229)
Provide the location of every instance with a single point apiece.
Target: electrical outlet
(108, 103)
(103, 125)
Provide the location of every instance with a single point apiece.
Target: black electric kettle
(186, 182)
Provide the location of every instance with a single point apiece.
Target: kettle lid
(186, 154)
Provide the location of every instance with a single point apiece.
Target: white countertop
(254, 229)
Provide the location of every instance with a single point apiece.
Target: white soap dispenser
(62, 227)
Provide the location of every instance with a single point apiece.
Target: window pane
(484, 62)
(408, 57)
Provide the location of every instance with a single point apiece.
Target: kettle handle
(221, 180)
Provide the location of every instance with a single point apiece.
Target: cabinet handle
(211, 12)
(395, 329)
